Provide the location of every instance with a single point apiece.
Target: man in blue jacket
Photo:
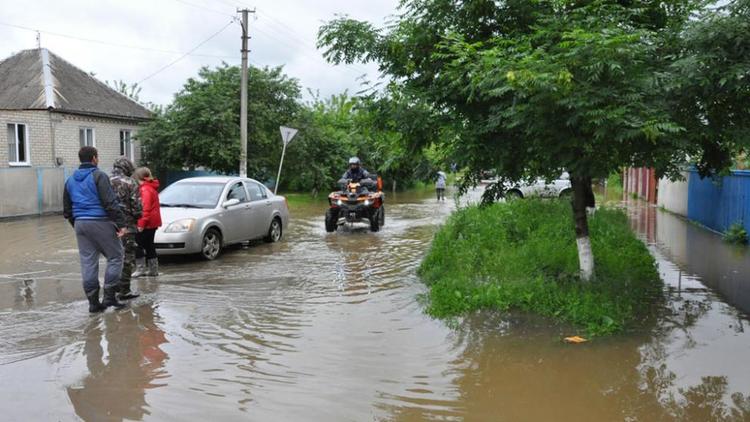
(91, 207)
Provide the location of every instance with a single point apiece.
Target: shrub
(522, 255)
(736, 234)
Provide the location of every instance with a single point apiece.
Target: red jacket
(151, 211)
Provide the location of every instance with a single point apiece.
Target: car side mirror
(230, 202)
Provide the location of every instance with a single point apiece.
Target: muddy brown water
(329, 327)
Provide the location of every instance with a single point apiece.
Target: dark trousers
(95, 238)
(146, 246)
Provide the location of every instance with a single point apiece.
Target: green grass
(297, 199)
(522, 256)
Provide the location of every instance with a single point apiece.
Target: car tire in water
(375, 218)
(211, 244)
(331, 220)
(567, 194)
(275, 231)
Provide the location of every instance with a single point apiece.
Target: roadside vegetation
(521, 255)
(200, 130)
(736, 234)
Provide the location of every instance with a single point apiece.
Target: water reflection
(117, 382)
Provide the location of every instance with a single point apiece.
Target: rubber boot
(140, 267)
(94, 305)
(110, 299)
(126, 293)
(153, 267)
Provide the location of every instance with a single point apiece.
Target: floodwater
(329, 327)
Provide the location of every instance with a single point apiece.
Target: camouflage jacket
(129, 195)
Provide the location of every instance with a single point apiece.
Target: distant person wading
(92, 208)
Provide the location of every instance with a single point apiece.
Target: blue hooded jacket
(89, 196)
(84, 195)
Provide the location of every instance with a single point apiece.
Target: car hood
(169, 215)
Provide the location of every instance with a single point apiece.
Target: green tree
(533, 88)
(201, 127)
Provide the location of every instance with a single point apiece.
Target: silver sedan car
(202, 215)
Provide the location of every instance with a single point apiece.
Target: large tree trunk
(583, 197)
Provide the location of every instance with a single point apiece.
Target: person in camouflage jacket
(128, 193)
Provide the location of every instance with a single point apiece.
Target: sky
(133, 40)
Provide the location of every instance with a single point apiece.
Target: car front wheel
(211, 244)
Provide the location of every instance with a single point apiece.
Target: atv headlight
(367, 202)
(180, 226)
(339, 202)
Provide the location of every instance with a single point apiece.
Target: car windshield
(191, 195)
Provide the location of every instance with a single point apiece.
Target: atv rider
(356, 174)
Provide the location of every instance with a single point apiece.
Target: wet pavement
(329, 327)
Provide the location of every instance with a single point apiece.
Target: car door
(261, 206)
(236, 217)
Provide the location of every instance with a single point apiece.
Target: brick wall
(106, 138)
(38, 129)
(52, 135)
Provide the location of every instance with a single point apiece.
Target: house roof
(40, 80)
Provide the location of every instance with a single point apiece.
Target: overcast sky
(283, 33)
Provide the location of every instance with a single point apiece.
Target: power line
(134, 47)
(188, 53)
(288, 32)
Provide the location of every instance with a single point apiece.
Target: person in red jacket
(147, 224)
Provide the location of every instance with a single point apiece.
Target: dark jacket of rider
(356, 175)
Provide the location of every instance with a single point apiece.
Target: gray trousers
(99, 237)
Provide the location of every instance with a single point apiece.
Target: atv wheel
(375, 220)
(331, 220)
(382, 215)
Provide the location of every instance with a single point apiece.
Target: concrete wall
(673, 196)
(31, 190)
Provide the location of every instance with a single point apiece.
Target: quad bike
(356, 202)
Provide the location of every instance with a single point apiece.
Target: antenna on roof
(38, 39)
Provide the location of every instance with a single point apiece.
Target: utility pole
(243, 95)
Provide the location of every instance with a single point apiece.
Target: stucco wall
(673, 196)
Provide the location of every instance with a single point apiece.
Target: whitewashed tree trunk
(585, 258)
(583, 198)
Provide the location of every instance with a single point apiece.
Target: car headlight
(339, 202)
(367, 202)
(180, 226)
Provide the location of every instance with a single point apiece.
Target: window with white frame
(126, 144)
(86, 136)
(18, 144)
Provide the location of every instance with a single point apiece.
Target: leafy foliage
(201, 127)
(736, 234)
(521, 255)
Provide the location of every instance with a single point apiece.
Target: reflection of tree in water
(707, 401)
(114, 389)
